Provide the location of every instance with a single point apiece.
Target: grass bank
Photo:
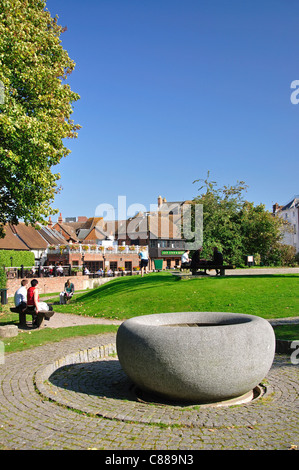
(268, 296)
(34, 338)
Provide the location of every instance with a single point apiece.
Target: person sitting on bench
(33, 302)
(185, 260)
(196, 261)
(21, 296)
(217, 259)
(68, 292)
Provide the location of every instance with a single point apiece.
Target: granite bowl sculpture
(196, 356)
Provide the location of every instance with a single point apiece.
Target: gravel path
(60, 320)
(73, 395)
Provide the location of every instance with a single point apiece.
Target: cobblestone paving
(50, 403)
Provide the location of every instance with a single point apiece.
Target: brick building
(108, 245)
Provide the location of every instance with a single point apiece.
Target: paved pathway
(73, 395)
(261, 271)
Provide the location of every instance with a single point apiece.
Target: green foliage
(36, 114)
(3, 278)
(25, 258)
(236, 226)
(288, 255)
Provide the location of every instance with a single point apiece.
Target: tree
(236, 226)
(36, 114)
(221, 208)
(261, 232)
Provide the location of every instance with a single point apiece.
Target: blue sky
(172, 89)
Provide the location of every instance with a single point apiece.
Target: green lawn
(287, 332)
(269, 296)
(34, 338)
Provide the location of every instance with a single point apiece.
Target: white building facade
(290, 213)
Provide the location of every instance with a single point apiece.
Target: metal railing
(61, 271)
(23, 272)
(97, 249)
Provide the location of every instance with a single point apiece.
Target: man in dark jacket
(196, 262)
(217, 259)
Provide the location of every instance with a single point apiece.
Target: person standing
(143, 262)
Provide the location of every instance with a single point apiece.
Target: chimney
(159, 201)
(50, 223)
(275, 208)
(60, 219)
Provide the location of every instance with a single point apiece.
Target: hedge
(3, 278)
(25, 258)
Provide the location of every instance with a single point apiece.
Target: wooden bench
(202, 270)
(41, 316)
(220, 267)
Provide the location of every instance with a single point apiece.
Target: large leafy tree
(261, 232)
(35, 114)
(236, 226)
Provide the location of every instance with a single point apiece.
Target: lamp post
(83, 267)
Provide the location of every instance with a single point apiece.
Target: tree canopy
(35, 112)
(238, 227)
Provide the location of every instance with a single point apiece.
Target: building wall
(49, 285)
(75, 259)
(292, 216)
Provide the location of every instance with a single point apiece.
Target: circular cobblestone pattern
(74, 395)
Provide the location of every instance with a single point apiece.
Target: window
(113, 265)
(93, 266)
(128, 265)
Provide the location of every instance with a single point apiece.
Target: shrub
(288, 255)
(25, 258)
(2, 278)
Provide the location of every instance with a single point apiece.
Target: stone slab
(8, 331)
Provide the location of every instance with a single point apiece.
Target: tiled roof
(91, 222)
(67, 228)
(293, 203)
(52, 236)
(30, 236)
(11, 241)
(23, 237)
